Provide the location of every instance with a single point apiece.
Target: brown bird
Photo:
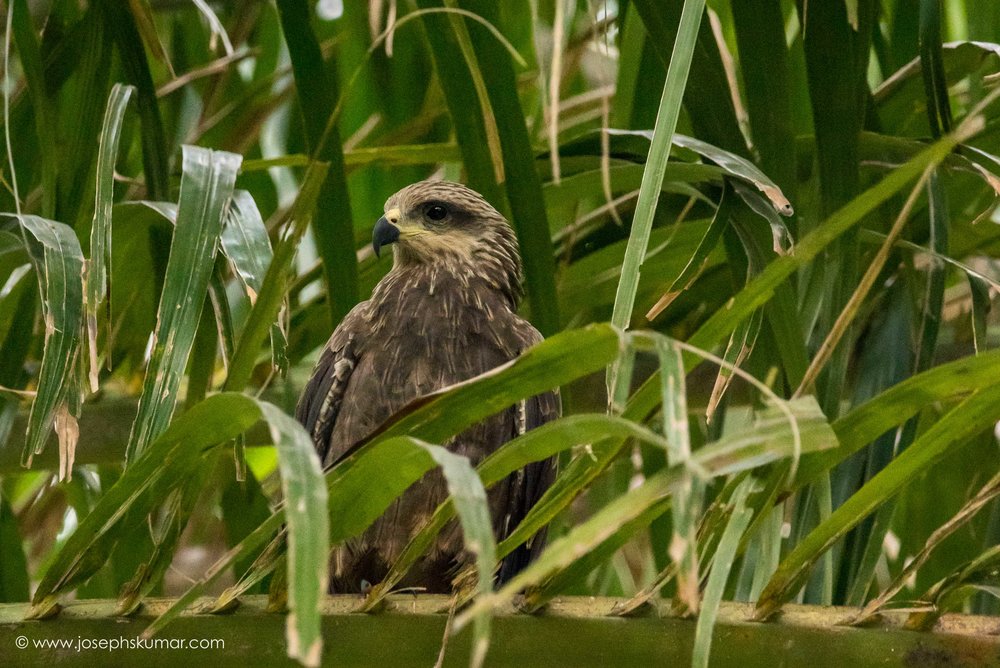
(447, 311)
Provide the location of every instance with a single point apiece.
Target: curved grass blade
(536, 598)
(98, 266)
(625, 177)
(697, 259)
(734, 165)
(247, 246)
(986, 494)
(164, 536)
(267, 562)
(980, 411)
(438, 416)
(217, 419)
(760, 290)
(734, 452)
(275, 284)
(304, 491)
(397, 462)
(207, 183)
(469, 498)
(891, 408)
(535, 445)
(58, 261)
(950, 592)
(557, 360)
(245, 242)
(690, 491)
(180, 451)
(710, 461)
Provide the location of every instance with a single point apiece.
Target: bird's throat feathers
(452, 277)
(424, 260)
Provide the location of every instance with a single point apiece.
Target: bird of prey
(445, 312)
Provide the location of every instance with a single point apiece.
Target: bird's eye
(436, 212)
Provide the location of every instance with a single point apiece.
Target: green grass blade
(247, 246)
(718, 575)
(709, 461)
(275, 284)
(439, 416)
(304, 491)
(952, 591)
(836, 63)
(569, 355)
(89, 87)
(155, 150)
(245, 242)
(318, 90)
(978, 412)
(397, 462)
(178, 454)
(536, 598)
(760, 34)
(690, 491)
(215, 420)
(100, 231)
(893, 407)
(932, 68)
(535, 445)
(639, 70)
(706, 97)
(741, 168)
(761, 289)
(656, 163)
(968, 511)
(142, 13)
(474, 123)
(253, 542)
(176, 506)
(23, 32)
(697, 260)
(58, 262)
(753, 446)
(206, 186)
(469, 497)
(523, 185)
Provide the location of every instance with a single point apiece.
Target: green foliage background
(787, 211)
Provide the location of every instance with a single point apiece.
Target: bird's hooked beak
(385, 231)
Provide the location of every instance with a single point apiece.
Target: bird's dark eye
(436, 212)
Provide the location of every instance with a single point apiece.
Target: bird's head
(446, 224)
